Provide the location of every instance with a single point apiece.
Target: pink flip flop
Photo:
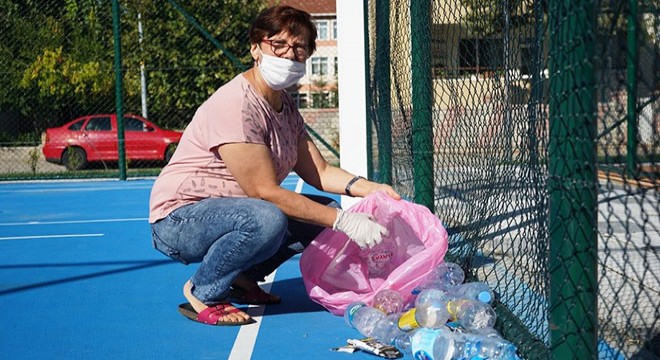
(212, 315)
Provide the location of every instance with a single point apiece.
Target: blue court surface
(79, 279)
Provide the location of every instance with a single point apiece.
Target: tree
(183, 67)
(486, 18)
(28, 30)
(57, 57)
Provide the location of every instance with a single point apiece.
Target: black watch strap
(347, 190)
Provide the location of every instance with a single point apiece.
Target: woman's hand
(361, 228)
(375, 187)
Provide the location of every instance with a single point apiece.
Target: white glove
(361, 228)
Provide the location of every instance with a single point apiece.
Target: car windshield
(76, 125)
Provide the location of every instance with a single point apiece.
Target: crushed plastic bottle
(443, 344)
(388, 301)
(475, 290)
(387, 329)
(445, 276)
(478, 346)
(362, 317)
(431, 309)
(473, 315)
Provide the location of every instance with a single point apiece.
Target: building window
(319, 66)
(334, 29)
(300, 99)
(336, 66)
(528, 58)
(439, 57)
(322, 30)
(478, 55)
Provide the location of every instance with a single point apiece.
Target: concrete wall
(325, 123)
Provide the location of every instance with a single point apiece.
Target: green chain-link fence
(531, 128)
(62, 60)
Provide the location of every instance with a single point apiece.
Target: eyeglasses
(281, 47)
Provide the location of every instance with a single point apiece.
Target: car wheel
(74, 158)
(169, 152)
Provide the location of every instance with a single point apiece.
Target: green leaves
(487, 17)
(57, 75)
(58, 56)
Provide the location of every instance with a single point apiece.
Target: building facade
(318, 89)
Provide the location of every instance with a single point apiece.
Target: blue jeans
(230, 236)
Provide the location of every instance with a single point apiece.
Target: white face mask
(280, 73)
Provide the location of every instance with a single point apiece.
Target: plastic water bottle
(490, 333)
(362, 317)
(403, 343)
(379, 258)
(471, 346)
(446, 275)
(431, 309)
(475, 290)
(443, 344)
(387, 329)
(388, 301)
(430, 344)
(473, 315)
(408, 321)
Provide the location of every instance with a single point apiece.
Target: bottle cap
(485, 297)
(407, 320)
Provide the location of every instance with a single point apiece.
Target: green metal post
(369, 98)
(118, 91)
(572, 183)
(422, 102)
(632, 61)
(322, 141)
(383, 90)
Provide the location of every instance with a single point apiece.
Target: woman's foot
(246, 291)
(230, 315)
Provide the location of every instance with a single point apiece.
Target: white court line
(49, 236)
(247, 335)
(299, 186)
(75, 190)
(72, 222)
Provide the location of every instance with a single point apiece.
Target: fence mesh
(525, 124)
(544, 121)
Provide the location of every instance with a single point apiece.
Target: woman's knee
(269, 223)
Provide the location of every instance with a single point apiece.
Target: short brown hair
(284, 19)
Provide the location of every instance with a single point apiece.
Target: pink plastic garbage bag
(336, 272)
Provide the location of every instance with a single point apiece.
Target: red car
(94, 138)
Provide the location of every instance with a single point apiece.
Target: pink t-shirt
(235, 113)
